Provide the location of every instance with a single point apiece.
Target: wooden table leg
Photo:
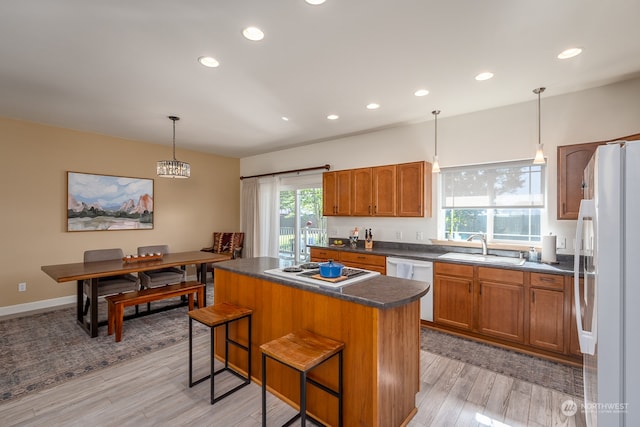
(93, 307)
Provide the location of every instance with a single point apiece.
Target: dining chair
(224, 243)
(108, 285)
(163, 276)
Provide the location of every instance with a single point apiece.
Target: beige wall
(35, 159)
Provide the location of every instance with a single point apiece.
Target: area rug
(41, 350)
(557, 376)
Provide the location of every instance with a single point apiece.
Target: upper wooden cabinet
(336, 193)
(412, 179)
(572, 160)
(361, 192)
(384, 191)
(390, 190)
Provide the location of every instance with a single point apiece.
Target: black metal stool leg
(264, 390)
(340, 389)
(212, 355)
(190, 352)
(303, 398)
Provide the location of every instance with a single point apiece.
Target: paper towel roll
(548, 248)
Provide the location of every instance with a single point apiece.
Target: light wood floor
(152, 391)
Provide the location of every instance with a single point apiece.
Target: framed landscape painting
(105, 202)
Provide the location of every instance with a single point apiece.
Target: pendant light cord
(435, 113)
(174, 119)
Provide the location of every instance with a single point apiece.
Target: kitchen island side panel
(381, 355)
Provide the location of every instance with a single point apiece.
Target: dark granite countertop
(379, 291)
(432, 252)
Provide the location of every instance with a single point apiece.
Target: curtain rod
(327, 167)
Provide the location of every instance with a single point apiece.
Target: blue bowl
(330, 269)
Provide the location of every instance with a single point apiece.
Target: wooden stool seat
(214, 316)
(302, 351)
(219, 314)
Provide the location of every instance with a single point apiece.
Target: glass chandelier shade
(539, 158)
(173, 168)
(435, 168)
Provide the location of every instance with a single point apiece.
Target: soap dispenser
(533, 254)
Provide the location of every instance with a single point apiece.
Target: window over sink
(505, 201)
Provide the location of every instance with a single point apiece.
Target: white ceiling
(120, 67)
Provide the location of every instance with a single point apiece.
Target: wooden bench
(117, 303)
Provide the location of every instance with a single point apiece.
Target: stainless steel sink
(487, 259)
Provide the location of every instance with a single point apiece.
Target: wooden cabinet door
(329, 195)
(361, 192)
(410, 189)
(323, 255)
(336, 193)
(572, 159)
(546, 321)
(384, 191)
(501, 310)
(453, 301)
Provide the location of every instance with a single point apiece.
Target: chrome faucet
(483, 240)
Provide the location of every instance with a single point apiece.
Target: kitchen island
(378, 319)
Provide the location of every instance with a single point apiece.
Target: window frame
(490, 210)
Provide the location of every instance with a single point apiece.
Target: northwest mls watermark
(570, 408)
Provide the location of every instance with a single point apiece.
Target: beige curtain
(249, 216)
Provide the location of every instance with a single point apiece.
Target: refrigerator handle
(587, 339)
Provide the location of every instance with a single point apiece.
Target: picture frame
(108, 202)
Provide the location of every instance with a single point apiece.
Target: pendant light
(435, 168)
(539, 159)
(173, 168)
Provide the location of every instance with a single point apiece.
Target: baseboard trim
(36, 305)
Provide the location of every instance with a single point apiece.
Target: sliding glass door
(301, 220)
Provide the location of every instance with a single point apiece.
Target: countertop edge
(381, 291)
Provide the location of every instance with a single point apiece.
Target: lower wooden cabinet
(547, 312)
(453, 295)
(366, 261)
(351, 259)
(531, 311)
(501, 303)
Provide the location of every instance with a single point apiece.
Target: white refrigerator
(608, 309)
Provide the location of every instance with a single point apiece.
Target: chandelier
(173, 168)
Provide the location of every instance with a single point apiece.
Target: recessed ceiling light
(421, 92)
(315, 2)
(208, 61)
(484, 76)
(570, 53)
(253, 33)
(333, 117)
(373, 106)
(285, 118)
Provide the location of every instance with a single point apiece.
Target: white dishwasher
(415, 270)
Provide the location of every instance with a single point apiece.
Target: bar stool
(302, 351)
(214, 316)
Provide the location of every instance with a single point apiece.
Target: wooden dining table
(93, 271)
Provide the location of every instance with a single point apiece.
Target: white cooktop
(305, 277)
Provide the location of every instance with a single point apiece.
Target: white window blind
(498, 185)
